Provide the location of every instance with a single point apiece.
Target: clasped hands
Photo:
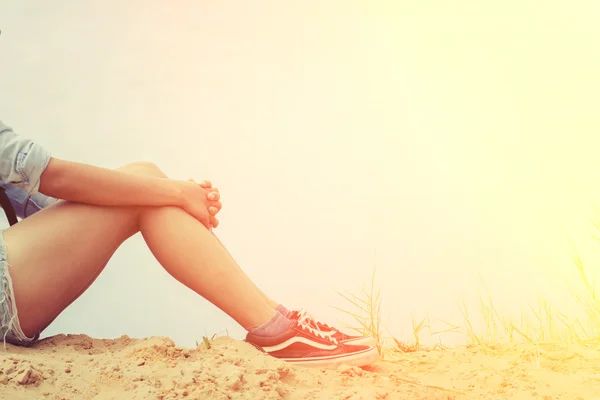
(202, 201)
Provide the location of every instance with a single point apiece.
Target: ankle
(282, 310)
(260, 320)
(273, 327)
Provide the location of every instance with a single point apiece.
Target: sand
(79, 367)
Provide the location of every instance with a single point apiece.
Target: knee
(143, 168)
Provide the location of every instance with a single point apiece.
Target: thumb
(200, 214)
(204, 219)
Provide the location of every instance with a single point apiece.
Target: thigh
(55, 254)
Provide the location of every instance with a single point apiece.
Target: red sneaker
(302, 344)
(333, 332)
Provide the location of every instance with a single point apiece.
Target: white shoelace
(306, 322)
(314, 323)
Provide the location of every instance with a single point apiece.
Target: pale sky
(435, 140)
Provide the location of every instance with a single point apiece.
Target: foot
(333, 332)
(304, 345)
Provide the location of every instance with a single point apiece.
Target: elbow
(53, 178)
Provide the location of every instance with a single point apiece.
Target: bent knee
(140, 164)
(143, 168)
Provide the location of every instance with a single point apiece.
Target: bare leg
(55, 254)
(272, 303)
(153, 170)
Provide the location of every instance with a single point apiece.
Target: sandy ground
(79, 367)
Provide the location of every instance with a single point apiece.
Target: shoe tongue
(294, 315)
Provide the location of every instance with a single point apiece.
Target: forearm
(88, 184)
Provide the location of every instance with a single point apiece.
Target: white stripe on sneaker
(299, 339)
(358, 358)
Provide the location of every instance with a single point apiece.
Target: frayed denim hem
(10, 328)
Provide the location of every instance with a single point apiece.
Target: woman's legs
(55, 254)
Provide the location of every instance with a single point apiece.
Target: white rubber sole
(357, 359)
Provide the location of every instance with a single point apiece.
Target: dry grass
(542, 323)
(367, 314)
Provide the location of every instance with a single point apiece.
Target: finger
(205, 184)
(205, 220)
(213, 210)
(214, 222)
(216, 204)
(213, 196)
(203, 217)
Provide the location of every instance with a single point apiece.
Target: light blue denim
(22, 163)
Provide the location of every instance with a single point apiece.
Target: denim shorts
(10, 328)
(22, 163)
(24, 206)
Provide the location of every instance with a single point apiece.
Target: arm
(29, 167)
(88, 184)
